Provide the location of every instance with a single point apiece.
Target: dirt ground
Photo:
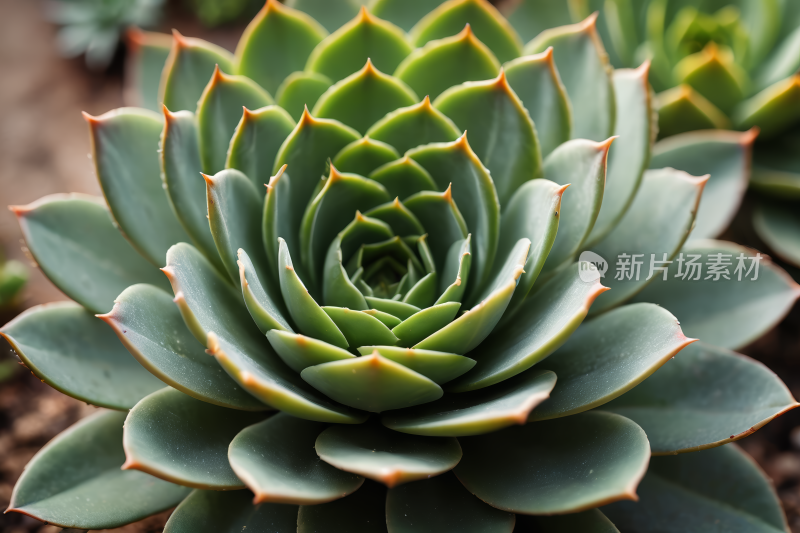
(44, 149)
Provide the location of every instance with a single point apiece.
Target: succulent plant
(13, 276)
(400, 336)
(721, 64)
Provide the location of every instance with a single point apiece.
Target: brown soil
(43, 150)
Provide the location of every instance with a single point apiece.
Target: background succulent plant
(453, 332)
(715, 64)
(13, 276)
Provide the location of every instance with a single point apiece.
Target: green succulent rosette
(730, 64)
(373, 317)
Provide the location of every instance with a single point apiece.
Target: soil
(43, 150)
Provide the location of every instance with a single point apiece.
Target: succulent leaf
(276, 459)
(398, 309)
(589, 459)
(415, 125)
(93, 449)
(266, 308)
(177, 438)
(384, 456)
(148, 323)
(714, 311)
(773, 109)
(148, 51)
(457, 266)
(714, 74)
(276, 43)
(423, 324)
(228, 512)
(778, 225)
(74, 241)
(362, 512)
(360, 329)
(592, 521)
(439, 504)
(439, 214)
(364, 155)
(531, 17)
(301, 352)
(301, 89)
(683, 109)
(124, 144)
(397, 215)
(439, 367)
(724, 397)
(73, 352)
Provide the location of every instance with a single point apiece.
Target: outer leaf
(301, 89)
(256, 142)
(719, 489)
(473, 190)
(74, 242)
(124, 147)
(714, 311)
(705, 397)
(726, 156)
(582, 165)
(583, 65)
(360, 99)
(180, 172)
(209, 305)
(230, 512)
(404, 13)
(372, 383)
(276, 221)
(183, 440)
(474, 413)
(531, 17)
(276, 43)
(92, 493)
(502, 133)
(276, 460)
(190, 64)
(487, 23)
(150, 326)
(442, 504)
(536, 82)
(609, 356)
(559, 466)
(219, 111)
(630, 155)
(446, 62)
(365, 37)
(267, 310)
(147, 53)
(543, 324)
(440, 367)
(362, 512)
(382, 455)
(778, 225)
(658, 222)
(413, 126)
(73, 352)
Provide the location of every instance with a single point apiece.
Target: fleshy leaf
(214, 313)
(276, 43)
(404, 13)
(74, 242)
(365, 37)
(180, 172)
(535, 80)
(726, 156)
(608, 356)
(124, 147)
(399, 309)
(487, 23)
(267, 311)
(300, 90)
(403, 178)
(531, 17)
(455, 164)
(630, 154)
(276, 460)
(583, 65)
(439, 367)
(474, 413)
(650, 233)
(559, 466)
(229, 512)
(147, 53)
(683, 109)
(382, 455)
(361, 512)
(183, 440)
(219, 111)
(442, 504)
(773, 110)
(725, 312)
(501, 132)
(300, 352)
(713, 73)
(412, 126)
(362, 98)
(778, 225)
(276, 221)
(76, 481)
(75, 353)
(398, 216)
(190, 64)
(446, 62)
(439, 215)
(720, 489)
(364, 155)
(705, 397)
(256, 141)
(544, 322)
(150, 326)
(360, 329)
(456, 268)
(372, 383)
(581, 164)
(425, 323)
